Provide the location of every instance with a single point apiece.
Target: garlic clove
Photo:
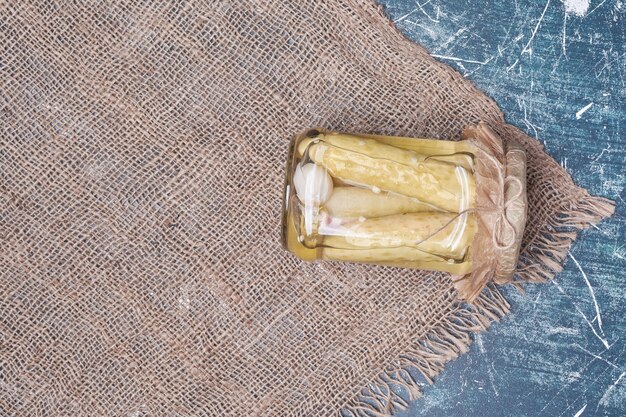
(312, 183)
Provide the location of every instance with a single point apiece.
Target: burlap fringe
(550, 246)
(394, 389)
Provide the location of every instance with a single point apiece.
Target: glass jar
(386, 200)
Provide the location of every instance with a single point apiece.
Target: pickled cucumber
(354, 202)
(376, 149)
(432, 182)
(401, 254)
(443, 234)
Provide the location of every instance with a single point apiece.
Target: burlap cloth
(142, 154)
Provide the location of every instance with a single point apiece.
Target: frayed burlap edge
(446, 341)
(452, 335)
(551, 244)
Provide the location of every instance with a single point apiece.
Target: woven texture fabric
(142, 154)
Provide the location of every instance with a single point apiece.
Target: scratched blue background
(557, 70)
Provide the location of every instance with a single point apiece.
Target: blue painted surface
(559, 353)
